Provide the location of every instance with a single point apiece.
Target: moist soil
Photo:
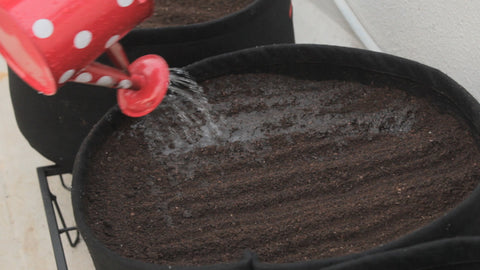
(185, 12)
(293, 170)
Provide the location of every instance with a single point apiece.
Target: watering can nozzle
(150, 79)
(141, 85)
(49, 43)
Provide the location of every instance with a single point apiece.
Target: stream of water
(183, 121)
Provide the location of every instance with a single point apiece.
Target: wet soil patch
(292, 169)
(185, 12)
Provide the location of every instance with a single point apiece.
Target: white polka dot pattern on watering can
(66, 76)
(42, 28)
(82, 39)
(124, 3)
(124, 84)
(106, 81)
(84, 77)
(112, 41)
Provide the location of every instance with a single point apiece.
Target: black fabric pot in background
(55, 126)
(426, 248)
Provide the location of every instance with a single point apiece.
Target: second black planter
(56, 125)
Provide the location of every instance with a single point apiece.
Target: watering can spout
(49, 43)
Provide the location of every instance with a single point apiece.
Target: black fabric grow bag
(460, 253)
(429, 247)
(56, 125)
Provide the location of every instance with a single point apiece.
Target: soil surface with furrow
(296, 170)
(184, 12)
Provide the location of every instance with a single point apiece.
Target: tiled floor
(24, 236)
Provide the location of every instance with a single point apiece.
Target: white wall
(320, 22)
(444, 34)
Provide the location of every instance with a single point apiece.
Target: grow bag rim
(470, 105)
(309, 46)
(198, 31)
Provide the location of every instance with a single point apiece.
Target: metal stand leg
(52, 209)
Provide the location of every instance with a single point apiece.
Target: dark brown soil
(184, 12)
(297, 170)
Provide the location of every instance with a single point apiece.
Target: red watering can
(51, 42)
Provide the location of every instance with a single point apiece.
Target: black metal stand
(52, 210)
